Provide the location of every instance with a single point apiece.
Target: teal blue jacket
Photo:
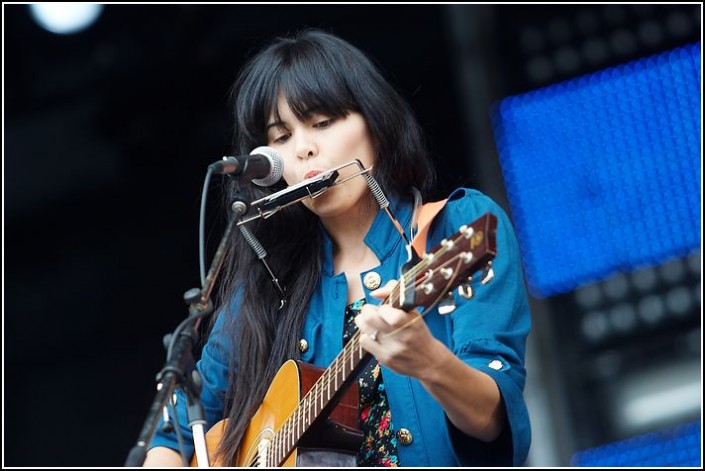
(487, 332)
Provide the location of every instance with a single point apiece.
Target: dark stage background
(107, 135)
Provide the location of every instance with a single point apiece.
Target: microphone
(264, 166)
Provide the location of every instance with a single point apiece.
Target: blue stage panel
(603, 172)
(680, 446)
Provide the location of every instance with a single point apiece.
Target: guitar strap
(426, 213)
(421, 222)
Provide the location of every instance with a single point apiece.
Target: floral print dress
(379, 447)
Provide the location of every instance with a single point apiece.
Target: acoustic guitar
(309, 407)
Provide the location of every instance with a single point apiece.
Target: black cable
(192, 318)
(201, 227)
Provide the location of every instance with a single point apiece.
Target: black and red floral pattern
(379, 447)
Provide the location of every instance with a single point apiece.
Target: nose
(305, 146)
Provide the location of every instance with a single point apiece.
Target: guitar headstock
(451, 264)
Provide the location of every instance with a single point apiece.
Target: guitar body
(293, 380)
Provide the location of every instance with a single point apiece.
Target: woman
(446, 391)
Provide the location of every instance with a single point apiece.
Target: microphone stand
(179, 369)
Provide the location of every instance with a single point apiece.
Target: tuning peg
(467, 231)
(465, 290)
(447, 304)
(447, 244)
(488, 274)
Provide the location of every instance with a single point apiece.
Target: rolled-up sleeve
(489, 333)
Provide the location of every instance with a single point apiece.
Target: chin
(322, 209)
(336, 202)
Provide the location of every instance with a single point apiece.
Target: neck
(348, 231)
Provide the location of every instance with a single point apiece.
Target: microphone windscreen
(277, 166)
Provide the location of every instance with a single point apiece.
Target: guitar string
(353, 352)
(353, 345)
(348, 352)
(420, 315)
(313, 395)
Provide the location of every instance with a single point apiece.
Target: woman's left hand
(400, 340)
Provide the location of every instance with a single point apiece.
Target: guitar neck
(319, 400)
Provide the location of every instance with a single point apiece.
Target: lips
(311, 174)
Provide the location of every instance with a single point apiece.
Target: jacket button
(303, 345)
(372, 280)
(404, 436)
(495, 365)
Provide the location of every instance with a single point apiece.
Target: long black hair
(314, 70)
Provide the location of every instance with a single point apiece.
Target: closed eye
(324, 123)
(282, 139)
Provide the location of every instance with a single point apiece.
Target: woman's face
(318, 144)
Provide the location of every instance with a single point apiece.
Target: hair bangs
(308, 89)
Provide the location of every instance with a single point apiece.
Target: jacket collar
(382, 238)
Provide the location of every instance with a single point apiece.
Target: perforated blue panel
(603, 172)
(680, 446)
